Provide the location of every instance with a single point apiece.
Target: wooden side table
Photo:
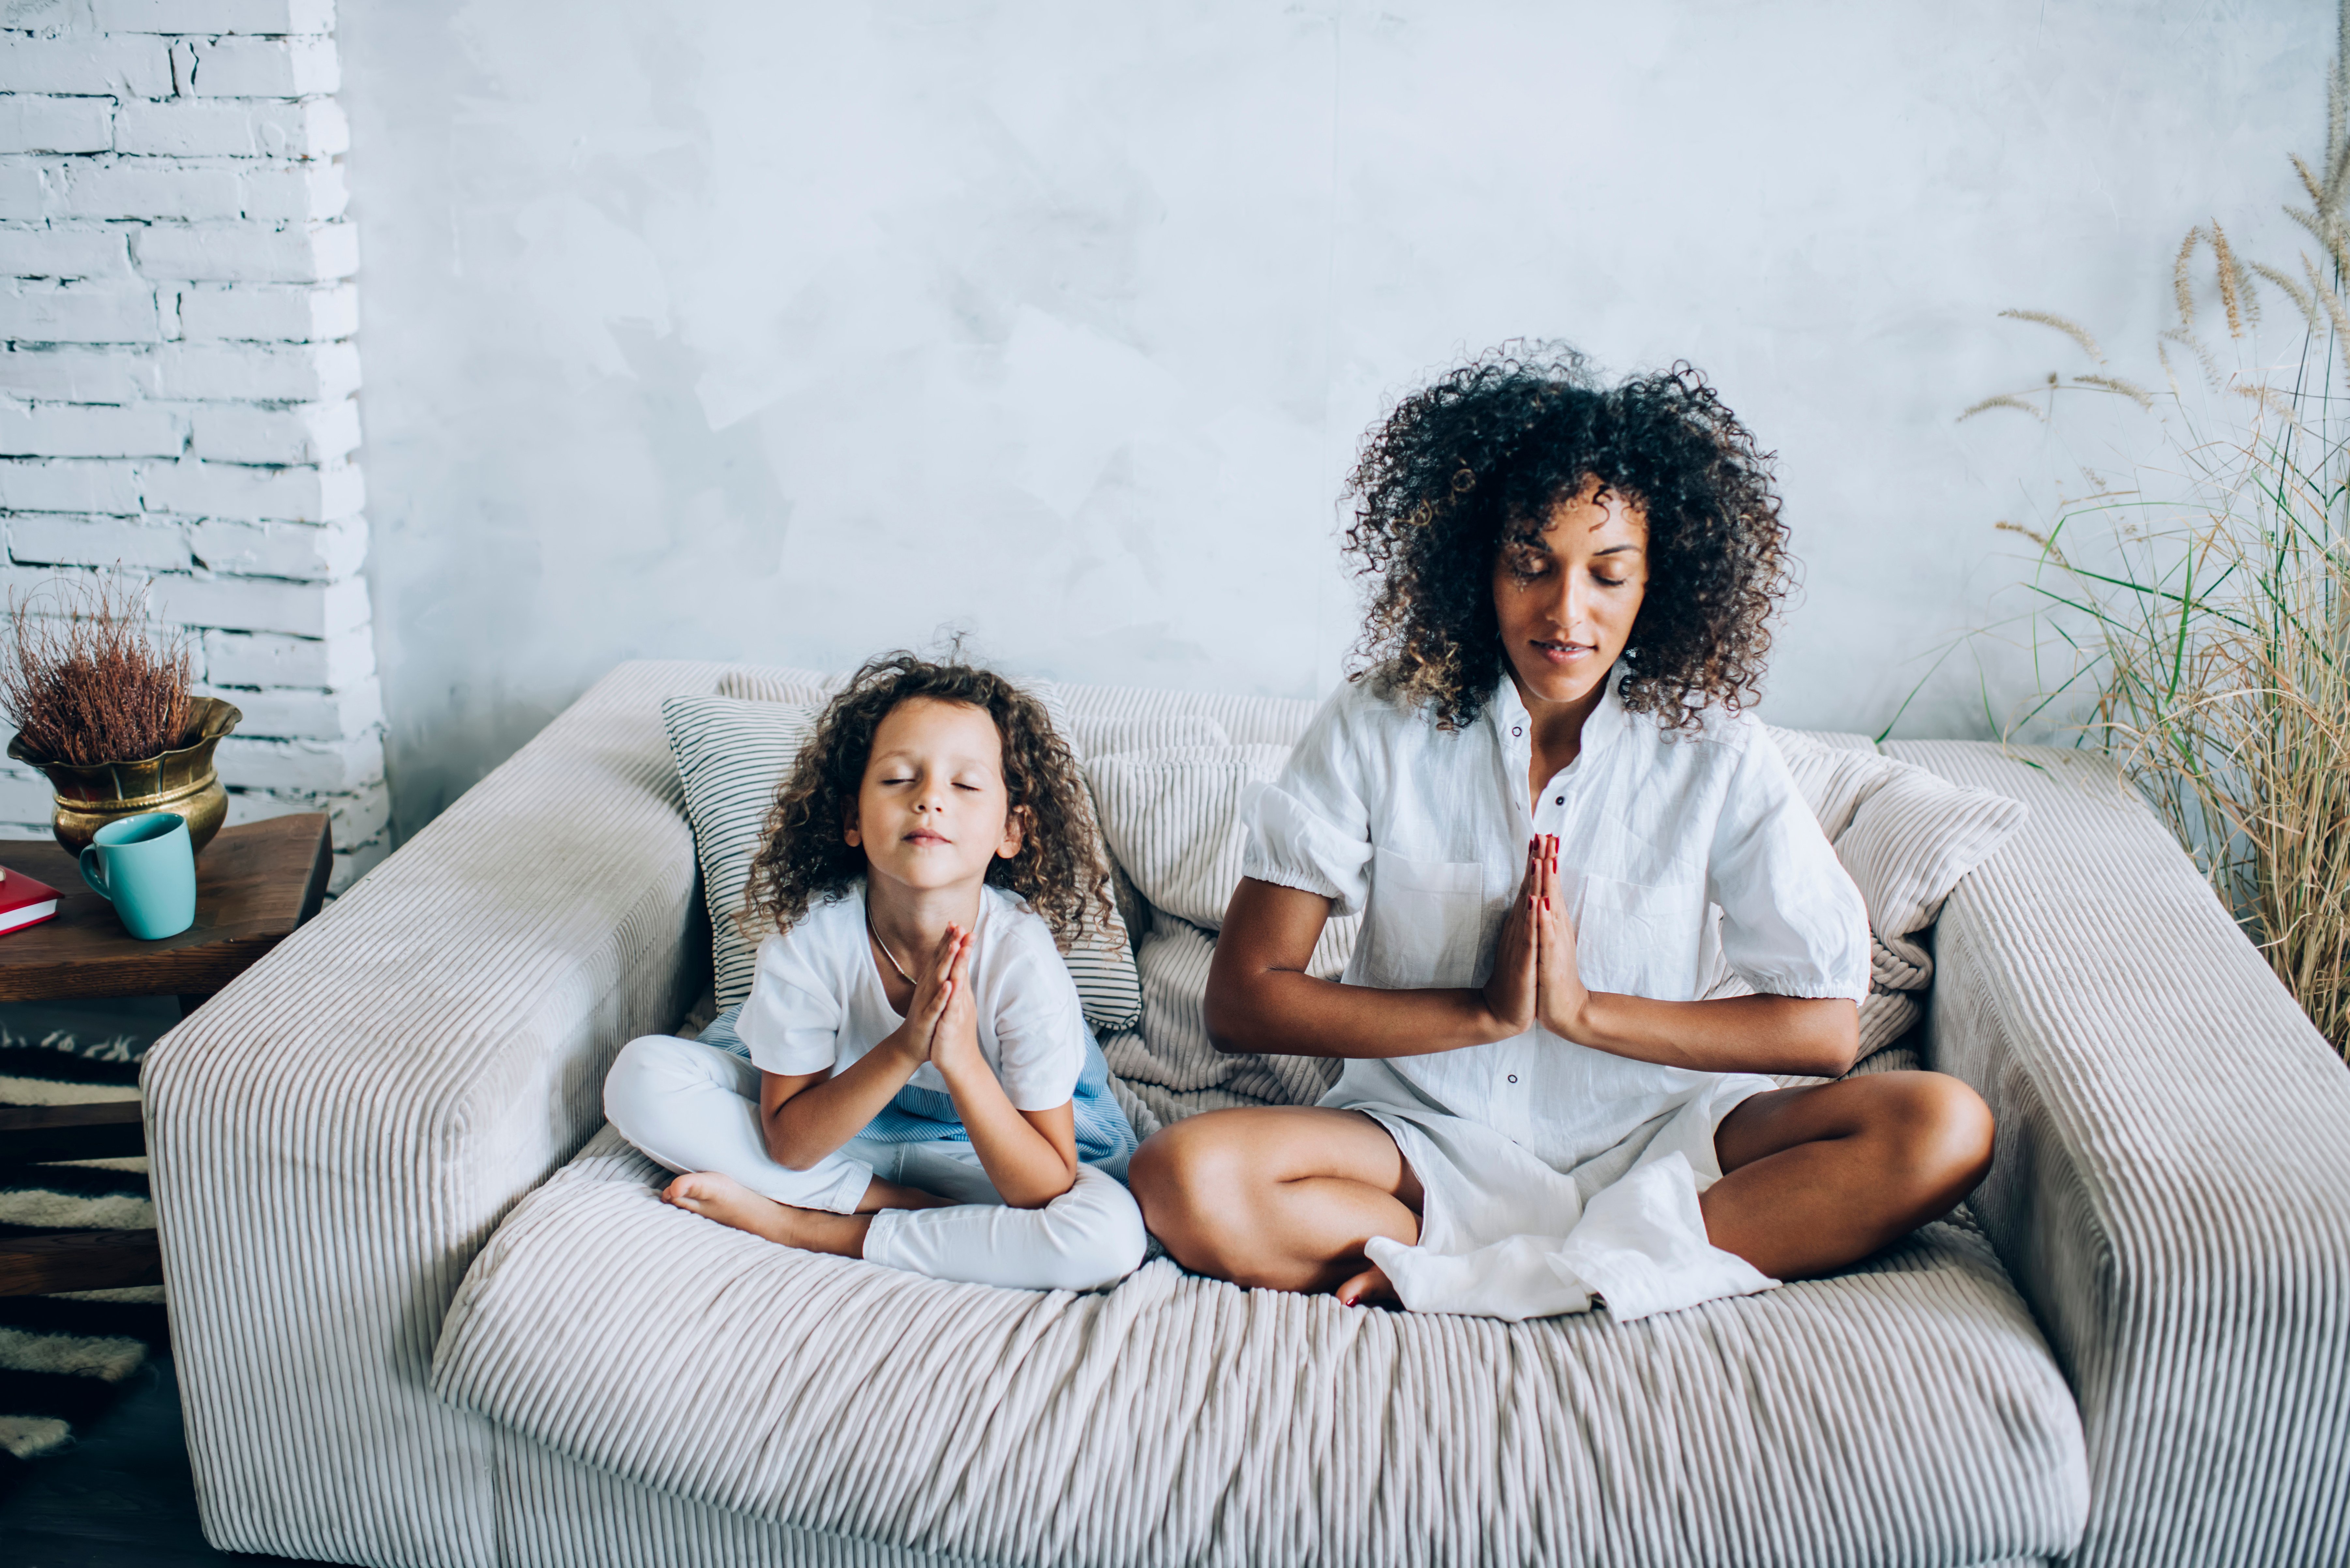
(254, 883)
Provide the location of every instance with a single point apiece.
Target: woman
(1538, 794)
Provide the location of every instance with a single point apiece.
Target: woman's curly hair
(1059, 869)
(1484, 455)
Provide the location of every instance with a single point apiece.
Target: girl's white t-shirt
(817, 1001)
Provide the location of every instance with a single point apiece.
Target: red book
(24, 901)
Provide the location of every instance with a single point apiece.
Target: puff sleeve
(1310, 827)
(1793, 922)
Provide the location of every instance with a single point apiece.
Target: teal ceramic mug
(144, 866)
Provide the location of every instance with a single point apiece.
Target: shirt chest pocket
(1641, 941)
(1426, 924)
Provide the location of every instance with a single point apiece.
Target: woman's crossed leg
(1281, 1199)
(1818, 1177)
(1814, 1179)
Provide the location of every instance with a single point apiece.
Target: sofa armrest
(2171, 1186)
(334, 1135)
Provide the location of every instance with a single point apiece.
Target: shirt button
(1514, 1077)
(1517, 730)
(1558, 800)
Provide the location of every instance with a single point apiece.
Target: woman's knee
(1178, 1167)
(1189, 1179)
(1939, 1132)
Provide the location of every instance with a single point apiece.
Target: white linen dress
(1556, 1173)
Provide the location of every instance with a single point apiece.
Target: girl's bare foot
(1369, 1288)
(728, 1201)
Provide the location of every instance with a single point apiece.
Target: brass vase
(181, 780)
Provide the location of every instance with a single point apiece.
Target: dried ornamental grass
(86, 679)
(2202, 638)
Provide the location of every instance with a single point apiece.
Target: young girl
(921, 1090)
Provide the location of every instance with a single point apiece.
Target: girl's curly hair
(1059, 869)
(1484, 455)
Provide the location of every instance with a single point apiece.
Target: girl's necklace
(885, 946)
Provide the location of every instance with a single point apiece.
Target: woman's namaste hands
(1534, 979)
(1510, 991)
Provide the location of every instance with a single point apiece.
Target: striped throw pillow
(731, 754)
(1906, 837)
(1176, 817)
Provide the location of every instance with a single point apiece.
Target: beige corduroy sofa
(426, 1309)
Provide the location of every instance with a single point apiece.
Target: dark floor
(135, 1019)
(120, 1498)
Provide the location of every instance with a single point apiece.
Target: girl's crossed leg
(927, 1208)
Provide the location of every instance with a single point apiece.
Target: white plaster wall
(794, 331)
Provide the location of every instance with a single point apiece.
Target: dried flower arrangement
(86, 678)
(2201, 634)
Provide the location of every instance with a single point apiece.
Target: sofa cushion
(729, 753)
(776, 683)
(1906, 838)
(1173, 1066)
(1907, 1411)
(1101, 719)
(1176, 819)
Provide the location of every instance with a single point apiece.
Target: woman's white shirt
(816, 1001)
(1678, 852)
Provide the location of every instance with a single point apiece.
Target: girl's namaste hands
(943, 1021)
(1534, 979)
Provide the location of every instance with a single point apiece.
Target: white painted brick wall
(311, 127)
(31, 122)
(261, 311)
(179, 390)
(69, 375)
(37, 251)
(41, 312)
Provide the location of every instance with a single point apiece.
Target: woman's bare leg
(1818, 1177)
(1279, 1198)
(1284, 1198)
(722, 1197)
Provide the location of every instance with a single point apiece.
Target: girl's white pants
(691, 1106)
